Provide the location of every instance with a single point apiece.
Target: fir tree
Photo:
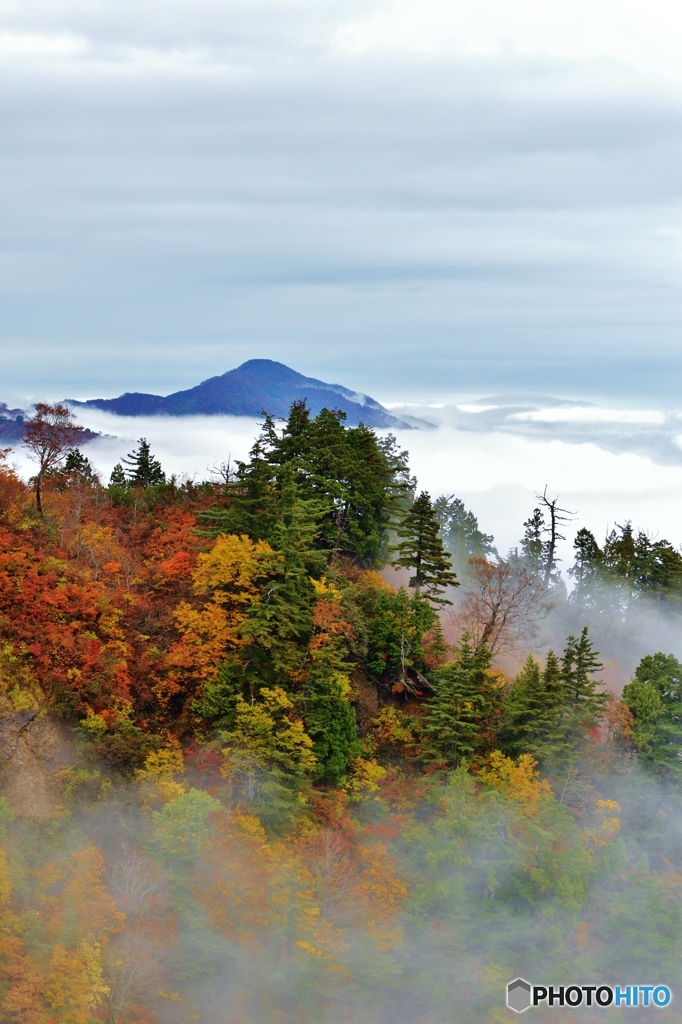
(118, 477)
(421, 549)
(458, 718)
(585, 704)
(143, 469)
(534, 717)
(79, 466)
(532, 544)
(460, 532)
(654, 698)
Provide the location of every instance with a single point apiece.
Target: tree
(460, 532)
(49, 436)
(557, 516)
(534, 717)
(457, 719)
(502, 605)
(118, 477)
(422, 549)
(654, 698)
(143, 469)
(579, 663)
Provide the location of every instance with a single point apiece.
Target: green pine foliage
(585, 703)
(654, 699)
(534, 715)
(143, 470)
(460, 533)
(459, 717)
(420, 548)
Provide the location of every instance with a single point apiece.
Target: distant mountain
(256, 386)
(11, 424)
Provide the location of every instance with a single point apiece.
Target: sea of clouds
(607, 465)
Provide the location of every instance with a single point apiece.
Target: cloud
(189, 185)
(607, 471)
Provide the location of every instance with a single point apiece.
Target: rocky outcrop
(33, 748)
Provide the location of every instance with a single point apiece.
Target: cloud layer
(410, 198)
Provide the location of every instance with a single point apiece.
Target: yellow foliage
(324, 589)
(608, 827)
(163, 763)
(75, 985)
(270, 734)
(517, 780)
(229, 571)
(207, 633)
(364, 778)
(88, 896)
(157, 774)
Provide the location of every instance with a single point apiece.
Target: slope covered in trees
(288, 798)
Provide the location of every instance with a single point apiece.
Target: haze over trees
(286, 793)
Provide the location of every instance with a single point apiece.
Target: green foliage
(354, 479)
(630, 567)
(398, 624)
(460, 533)
(421, 548)
(654, 698)
(585, 704)
(143, 470)
(534, 713)
(458, 720)
(181, 827)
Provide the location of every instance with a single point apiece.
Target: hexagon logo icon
(518, 995)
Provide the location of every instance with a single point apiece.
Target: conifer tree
(421, 549)
(118, 477)
(458, 718)
(584, 702)
(654, 698)
(534, 719)
(143, 469)
(460, 532)
(533, 545)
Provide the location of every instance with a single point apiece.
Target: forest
(316, 751)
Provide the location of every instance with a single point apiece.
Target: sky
(419, 199)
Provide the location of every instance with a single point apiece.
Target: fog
(607, 464)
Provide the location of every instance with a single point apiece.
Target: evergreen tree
(654, 698)
(532, 544)
(460, 532)
(143, 469)
(585, 704)
(118, 477)
(588, 571)
(534, 717)
(421, 549)
(458, 717)
(79, 466)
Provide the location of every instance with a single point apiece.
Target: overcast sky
(418, 199)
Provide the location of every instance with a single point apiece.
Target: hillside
(257, 385)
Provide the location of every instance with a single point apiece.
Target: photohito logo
(521, 995)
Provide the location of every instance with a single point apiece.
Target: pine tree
(143, 469)
(458, 718)
(422, 549)
(654, 697)
(118, 477)
(532, 544)
(460, 532)
(79, 466)
(584, 703)
(588, 571)
(534, 717)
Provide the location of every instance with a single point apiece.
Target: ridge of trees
(308, 764)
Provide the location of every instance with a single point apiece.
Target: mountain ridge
(254, 387)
